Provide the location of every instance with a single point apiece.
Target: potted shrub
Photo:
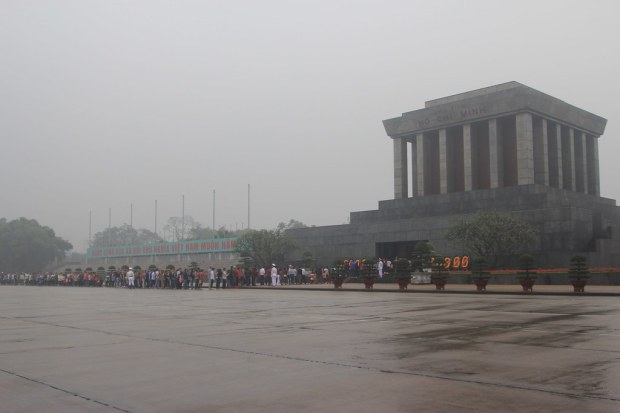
(439, 274)
(479, 273)
(338, 274)
(423, 256)
(526, 276)
(369, 273)
(101, 273)
(402, 272)
(578, 273)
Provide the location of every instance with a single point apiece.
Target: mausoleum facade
(508, 148)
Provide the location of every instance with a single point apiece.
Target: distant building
(217, 252)
(508, 148)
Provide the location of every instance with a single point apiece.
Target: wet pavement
(307, 350)
(555, 289)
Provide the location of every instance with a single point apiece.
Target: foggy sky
(104, 104)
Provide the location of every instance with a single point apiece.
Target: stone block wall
(567, 223)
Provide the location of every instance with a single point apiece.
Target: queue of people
(186, 278)
(176, 279)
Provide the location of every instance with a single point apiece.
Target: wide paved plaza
(275, 350)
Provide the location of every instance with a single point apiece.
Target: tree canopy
(491, 235)
(265, 247)
(180, 228)
(124, 235)
(423, 255)
(27, 246)
(200, 232)
(291, 224)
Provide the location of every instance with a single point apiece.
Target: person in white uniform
(274, 276)
(130, 278)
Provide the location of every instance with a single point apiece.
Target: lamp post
(109, 226)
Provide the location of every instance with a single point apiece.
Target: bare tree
(179, 229)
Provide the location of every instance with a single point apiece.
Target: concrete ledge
(497, 289)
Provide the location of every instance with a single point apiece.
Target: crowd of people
(188, 278)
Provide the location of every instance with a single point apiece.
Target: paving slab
(288, 350)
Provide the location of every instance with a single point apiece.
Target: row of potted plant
(368, 272)
(403, 269)
(578, 274)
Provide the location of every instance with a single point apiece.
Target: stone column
(558, 155)
(400, 168)
(414, 166)
(443, 162)
(493, 154)
(596, 190)
(525, 149)
(571, 161)
(541, 155)
(419, 140)
(580, 139)
(467, 171)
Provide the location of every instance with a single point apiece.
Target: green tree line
(27, 246)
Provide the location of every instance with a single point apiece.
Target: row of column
(519, 149)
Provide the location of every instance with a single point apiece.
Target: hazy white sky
(104, 104)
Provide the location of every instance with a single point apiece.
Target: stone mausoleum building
(508, 148)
